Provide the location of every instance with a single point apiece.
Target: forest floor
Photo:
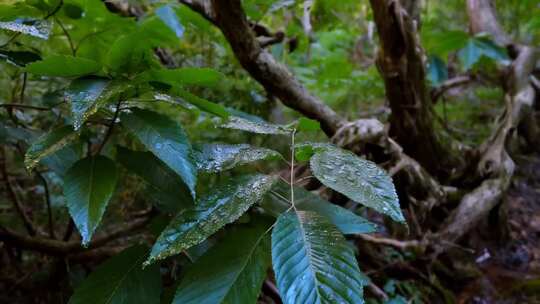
(508, 259)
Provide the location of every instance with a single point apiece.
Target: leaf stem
(111, 127)
(292, 169)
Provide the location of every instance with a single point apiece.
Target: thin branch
(449, 84)
(66, 33)
(111, 126)
(22, 106)
(27, 222)
(401, 245)
(48, 203)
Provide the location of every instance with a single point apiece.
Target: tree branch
(262, 66)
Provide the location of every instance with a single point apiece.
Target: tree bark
(401, 63)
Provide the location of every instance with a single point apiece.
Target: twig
(111, 127)
(66, 33)
(22, 106)
(401, 245)
(48, 202)
(14, 199)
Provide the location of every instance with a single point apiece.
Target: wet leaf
(48, 144)
(32, 27)
(86, 95)
(220, 157)
(277, 202)
(63, 66)
(185, 76)
(121, 280)
(358, 179)
(88, 187)
(237, 123)
(19, 58)
(169, 192)
(221, 206)
(312, 261)
(167, 140)
(230, 272)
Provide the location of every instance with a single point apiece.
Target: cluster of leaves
(114, 87)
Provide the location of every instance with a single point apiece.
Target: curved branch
(262, 66)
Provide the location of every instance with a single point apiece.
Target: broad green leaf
(442, 43)
(19, 58)
(307, 125)
(476, 48)
(237, 123)
(437, 70)
(60, 161)
(221, 206)
(313, 262)
(220, 157)
(88, 187)
(169, 17)
(201, 103)
(304, 151)
(358, 179)
(277, 201)
(86, 95)
(166, 187)
(166, 139)
(230, 272)
(48, 144)
(32, 27)
(121, 280)
(63, 66)
(185, 76)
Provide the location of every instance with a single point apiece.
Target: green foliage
(230, 272)
(123, 120)
(224, 205)
(121, 280)
(88, 186)
(311, 259)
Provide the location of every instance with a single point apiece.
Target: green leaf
(169, 17)
(32, 27)
(48, 144)
(358, 179)
(304, 151)
(221, 157)
(121, 280)
(201, 103)
(312, 261)
(308, 125)
(166, 187)
(221, 206)
(185, 76)
(63, 66)
(442, 43)
(230, 272)
(86, 95)
(19, 58)
(60, 161)
(167, 140)
(476, 48)
(88, 187)
(237, 123)
(277, 202)
(437, 70)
